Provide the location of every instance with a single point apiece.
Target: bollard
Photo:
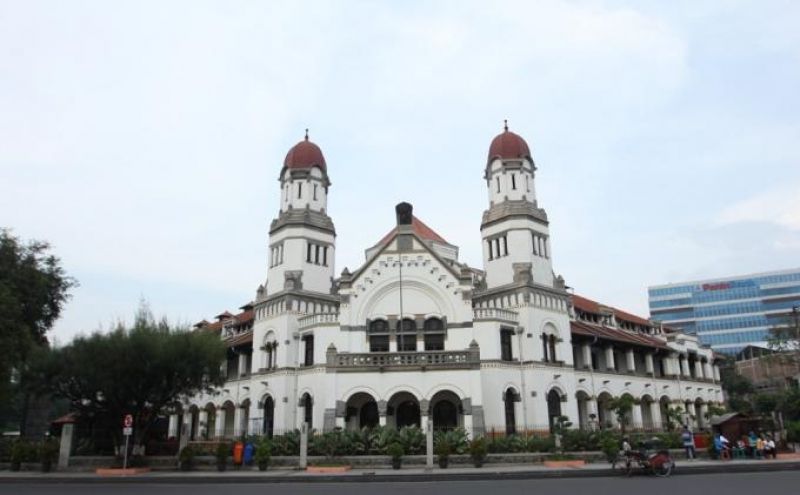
(429, 444)
(304, 446)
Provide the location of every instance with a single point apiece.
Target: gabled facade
(414, 335)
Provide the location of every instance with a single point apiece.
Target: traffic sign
(127, 422)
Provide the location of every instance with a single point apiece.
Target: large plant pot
(443, 462)
(478, 462)
(262, 466)
(397, 463)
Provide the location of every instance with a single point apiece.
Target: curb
(368, 477)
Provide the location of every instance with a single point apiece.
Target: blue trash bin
(249, 450)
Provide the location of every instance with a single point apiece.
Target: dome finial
(505, 125)
(306, 133)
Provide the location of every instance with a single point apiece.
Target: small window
(506, 353)
(434, 334)
(308, 253)
(299, 190)
(513, 182)
(315, 192)
(505, 246)
(498, 183)
(316, 254)
(491, 254)
(378, 333)
(325, 255)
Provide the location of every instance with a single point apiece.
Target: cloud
(780, 206)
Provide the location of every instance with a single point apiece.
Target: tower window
(299, 190)
(315, 192)
(325, 256)
(308, 252)
(527, 184)
(491, 255)
(505, 246)
(498, 183)
(505, 344)
(513, 182)
(316, 254)
(308, 355)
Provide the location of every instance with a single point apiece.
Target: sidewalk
(389, 475)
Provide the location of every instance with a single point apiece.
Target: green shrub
(186, 458)
(478, 449)
(412, 439)
(793, 431)
(48, 451)
(287, 444)
(395, 450)
(540, 444)
(263, 453)
(457, 440)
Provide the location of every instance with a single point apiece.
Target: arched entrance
(647, 413)
(445, 410)
(268, 424)
(584, 421)
(211, 421)
(194, 426)
(605, 416)
(664, 405)
(404, 409)
(230, 417)
(510, 398)
(361, 412)
(244, 425)
(553, 408)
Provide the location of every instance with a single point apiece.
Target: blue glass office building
(728, 313)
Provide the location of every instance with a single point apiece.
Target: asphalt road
(784, 482)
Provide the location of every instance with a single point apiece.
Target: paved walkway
(529, 471)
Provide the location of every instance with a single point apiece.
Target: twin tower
(516, 241)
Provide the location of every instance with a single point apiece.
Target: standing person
(769, 448)
(688, 442)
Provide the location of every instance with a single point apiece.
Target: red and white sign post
(127, 430)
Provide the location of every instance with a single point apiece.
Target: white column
(610, 357)
(716, 372)
(630, 360)
(698, 370)
(586, 351)
(187, 421)
(684, 366)
(636, 416)
(220, 423)
(648, 363)
(237, 421)
(701, 415)
(655, 413)
(468, 425)
(172, 430)
(708, 372)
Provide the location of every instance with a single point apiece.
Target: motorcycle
(649, 459)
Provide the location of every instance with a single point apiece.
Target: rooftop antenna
(505, 124)
(306, 133)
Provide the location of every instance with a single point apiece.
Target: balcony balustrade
(318, 319)
(497, 314)
(403, 361)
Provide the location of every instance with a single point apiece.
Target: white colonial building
(414, 335)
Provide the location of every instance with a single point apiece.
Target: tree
(622, 406)
(141, 370)
(33, 290)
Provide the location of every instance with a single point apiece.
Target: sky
(144, 139)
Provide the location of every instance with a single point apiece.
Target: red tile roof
(419, 228)
(242, 338)
(241, 318)
(508, 146)
(616, 335)
(590, 306)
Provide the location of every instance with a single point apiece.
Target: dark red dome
(304, 155)
(508, 146)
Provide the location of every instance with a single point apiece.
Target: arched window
(510, 396)
(308, 409)
(378, 334)
(552, 341)
(406, 335)
(434, 334)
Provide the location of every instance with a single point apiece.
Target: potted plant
(442, 450)
(223, 452)
(186, 458)
(478, 450)
(263, 454)
(396, 451)
(48, 453)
